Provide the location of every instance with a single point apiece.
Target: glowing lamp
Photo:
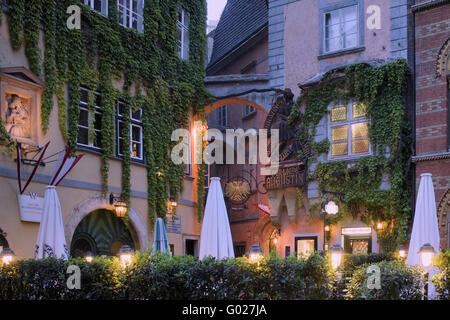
(379, 225)
(89, 257)
(336, 255)
(121, 208)
(7, 255)
(125, 255)
(275, 240)
(254, 253)
(426, 253)
(402, 252)
(327, 228)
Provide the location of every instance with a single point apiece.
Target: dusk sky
(215, 8)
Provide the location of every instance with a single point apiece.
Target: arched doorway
(443, 212)
(101, 233)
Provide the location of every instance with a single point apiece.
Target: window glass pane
(339, 133)
(305, 247)
(83, 136)
(186, 44)
(137, 115)
(120, 129)
(332, 31)
(98, 5)
(332, 18)
(350, 27)
(98, 121)
(349, 40)
(97, 139)
(136, 150)
(120, 145)
(332, 44)
(349, 13)
(360, 130)
(359, 110)
(360, 146)
(339, 149)
(83, 95)
(83, 118)
(136, 133)
(98, 100)
(339, 113)
(122, 109)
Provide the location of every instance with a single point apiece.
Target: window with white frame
(341, 29)
(89, 122)
(188, 168)
(183, 34)
(130, 13)
(136, 136)
(249, 110)
(222, 116)
(349, 130)
(100, 6)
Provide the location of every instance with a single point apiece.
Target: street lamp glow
(426, 253)
(121, 209)
(327, 228)
(402, 252)
(336, 256)
(7, 255)
(379, 225)
(89, 257)
(254, 253)
(125, 255)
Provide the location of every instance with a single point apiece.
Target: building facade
(432, 71)
(100, 89)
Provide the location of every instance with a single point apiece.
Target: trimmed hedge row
(165, 277)
(185, 277)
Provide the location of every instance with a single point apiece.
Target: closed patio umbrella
(216, 234)
(425, 226)
(160, 242)
(51, 241)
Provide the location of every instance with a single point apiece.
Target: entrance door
(101, 233)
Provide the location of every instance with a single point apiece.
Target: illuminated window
(305, 246)
(349, 129)
(183, 34)
(341, 29)
(130, 14)
(136, 136)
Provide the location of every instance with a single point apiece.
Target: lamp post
(336, 255)
(7, 255)
(426, 253)
(89, 257)
(328, 208)
(254, 253)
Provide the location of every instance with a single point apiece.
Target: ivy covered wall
(103, 53)
(382, 90)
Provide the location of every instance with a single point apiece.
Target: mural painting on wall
(292, 172)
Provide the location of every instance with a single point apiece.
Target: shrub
(442, 279)
(163, 277)
(397, 282)
(352, 261)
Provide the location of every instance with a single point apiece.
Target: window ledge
(98, 152)
(341, 52)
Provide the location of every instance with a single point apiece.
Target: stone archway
(139, 231)
(443, 219)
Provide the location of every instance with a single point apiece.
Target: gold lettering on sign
(293, 176)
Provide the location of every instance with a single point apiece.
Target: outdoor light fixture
(170, 205)
(7, 255)
(254, 253)
(336, 255)
(89, 257)
(426, 253)
(119, 205)
(402, 252)
(275, 240)
(329, 207)
(379, 225)
(158, 172)
(125, 255)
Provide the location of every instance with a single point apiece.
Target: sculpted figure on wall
(17, 118)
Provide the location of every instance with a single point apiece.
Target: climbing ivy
(102, 54)
(382, 91)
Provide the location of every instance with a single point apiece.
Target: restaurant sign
(289, 176)
(173, 224)
(30, 207)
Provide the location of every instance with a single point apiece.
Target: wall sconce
(158, 172)
(7, 255)
(379, 225)
(125, 255)
(119, 205)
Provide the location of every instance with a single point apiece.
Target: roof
(240, 20)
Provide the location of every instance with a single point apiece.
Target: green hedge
(442, 279)
(164, 277)
(398, 282)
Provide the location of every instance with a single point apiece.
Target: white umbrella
(51, 241)
(160, 242)
(425, 227)
(216, 234)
